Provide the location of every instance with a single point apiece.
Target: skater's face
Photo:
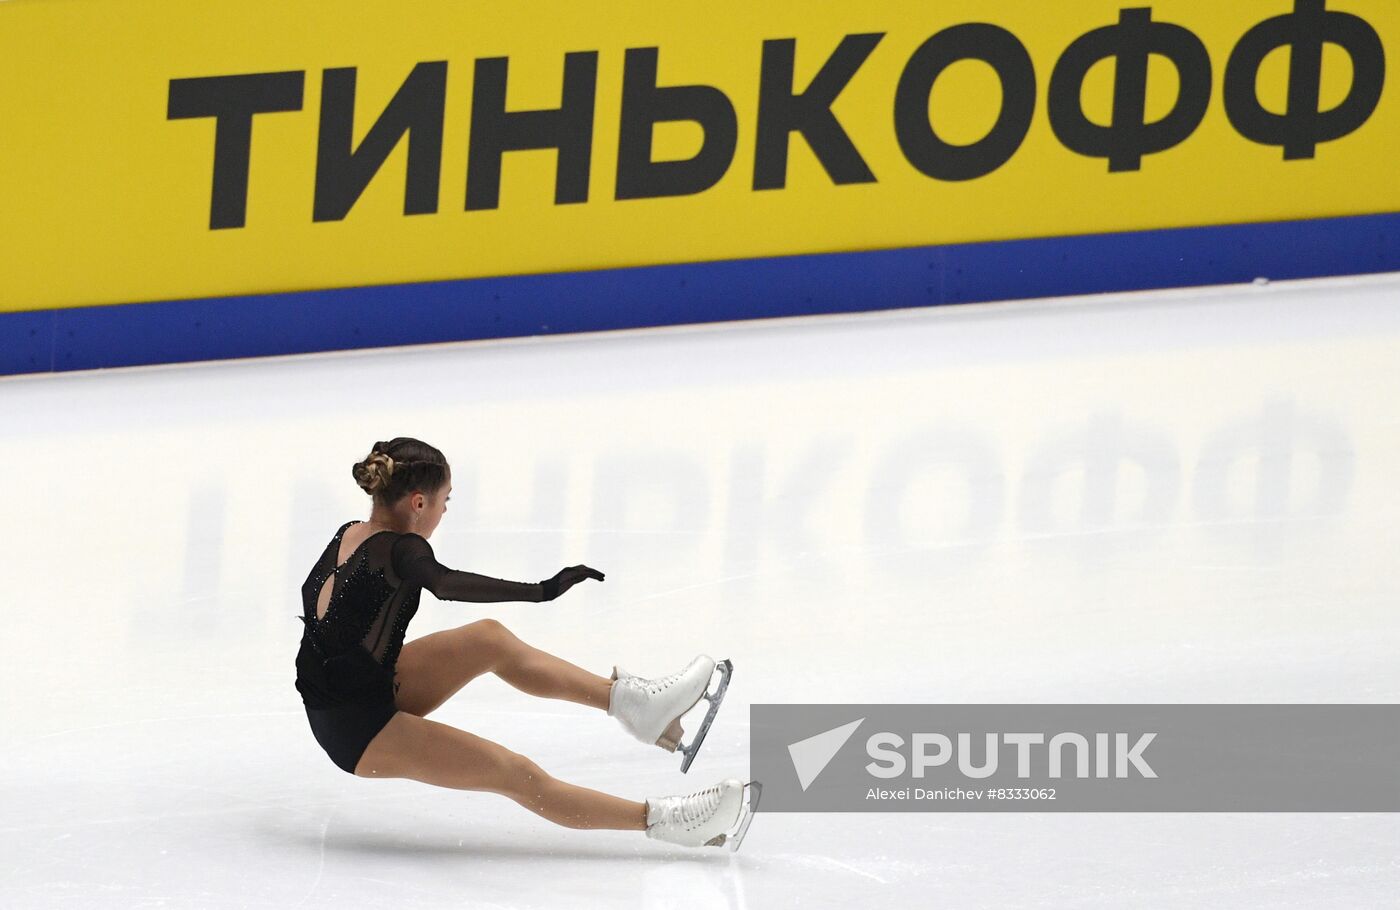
(433, 508)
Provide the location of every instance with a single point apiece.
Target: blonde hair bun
(373, 474)
(413, 465)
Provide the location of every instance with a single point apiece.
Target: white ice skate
(651, 709)
(706, 818)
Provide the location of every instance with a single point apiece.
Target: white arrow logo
(810, 756)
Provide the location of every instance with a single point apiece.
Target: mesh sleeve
(415, 563)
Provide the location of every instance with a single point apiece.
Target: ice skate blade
(725, 669)
(747, 817)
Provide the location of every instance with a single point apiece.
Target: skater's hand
(565, 579)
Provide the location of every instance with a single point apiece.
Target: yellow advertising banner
(160, 150)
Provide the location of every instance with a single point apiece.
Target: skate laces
(654, 686)
(690, 811)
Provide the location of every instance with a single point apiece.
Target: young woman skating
(367, 692)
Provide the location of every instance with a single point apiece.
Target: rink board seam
(217, 328)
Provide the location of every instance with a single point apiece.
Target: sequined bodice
(357, 641)
(351, 651)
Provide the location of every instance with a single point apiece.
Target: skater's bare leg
(435, 667)
(434, 753)
(537, 672)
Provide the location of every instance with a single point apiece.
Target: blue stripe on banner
(257, 325)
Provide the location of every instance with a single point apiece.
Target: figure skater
(367, 693)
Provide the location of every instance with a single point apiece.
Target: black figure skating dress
(345, 667)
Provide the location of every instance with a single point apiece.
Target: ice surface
(1188, 496)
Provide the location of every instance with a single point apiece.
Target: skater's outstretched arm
(414, 562)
